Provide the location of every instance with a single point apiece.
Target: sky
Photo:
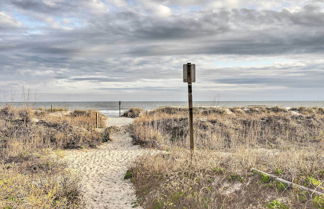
(108, 50)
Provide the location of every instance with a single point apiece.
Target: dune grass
(36, 181)
(31, 174)
(230, 142)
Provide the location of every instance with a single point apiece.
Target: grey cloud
(223, 32)
(127, 45)
(286, 82)
(182, 2)
(63, 8)
(143, 88)
(98, 79)
(311, 76)
(40, 6)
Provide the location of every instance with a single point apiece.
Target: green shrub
(314, 182)
(235, 177)
(278, 171)
(276, 204)
(281, 186)
(128, 175)
(318, 202)
(218, 171)
(265, 178)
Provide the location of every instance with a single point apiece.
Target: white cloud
(97, 6)
(8, 21)
(119, 3)
(162, 10)
(155, 8)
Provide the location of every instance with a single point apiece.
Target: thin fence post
(97, 119)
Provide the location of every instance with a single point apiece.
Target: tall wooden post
(189, 76)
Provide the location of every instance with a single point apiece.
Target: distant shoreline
(111, 109)
(166, 101)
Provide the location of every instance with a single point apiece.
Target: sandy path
(102, 171)
(119, 121)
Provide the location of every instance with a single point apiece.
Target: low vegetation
(223, 128)
(133, 113)
(230, 142)
(31, 174)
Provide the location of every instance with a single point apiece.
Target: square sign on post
(189, 73)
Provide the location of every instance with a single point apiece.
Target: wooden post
(97, 119)
(189, 77)
(192, 146)
(119, 108)
(51, 108)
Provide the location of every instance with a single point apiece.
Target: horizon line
(165, 101)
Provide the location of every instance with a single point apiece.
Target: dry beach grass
(35, 171)
(31, 176)
(231, 141)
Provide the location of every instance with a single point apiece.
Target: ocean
(111, 108)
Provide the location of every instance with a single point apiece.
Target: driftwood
(290, 184)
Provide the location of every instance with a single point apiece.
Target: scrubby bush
(133, 113)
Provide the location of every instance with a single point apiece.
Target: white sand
(102, 170)
(119, 121)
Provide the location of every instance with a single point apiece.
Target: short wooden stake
(97, 119)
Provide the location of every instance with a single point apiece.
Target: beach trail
(102, 170)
